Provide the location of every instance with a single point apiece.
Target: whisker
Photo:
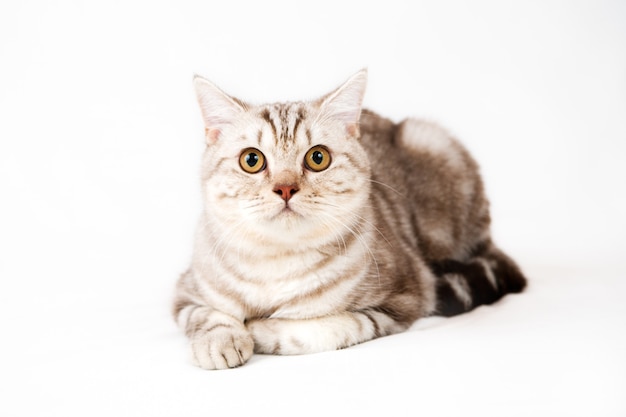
(220, 246)
(337, 235)
(362, 219)
(388, 186)
(359, 236)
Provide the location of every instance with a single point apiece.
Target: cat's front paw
(221, 347)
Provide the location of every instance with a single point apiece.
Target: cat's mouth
(287, 212)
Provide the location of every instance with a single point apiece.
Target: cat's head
(286, 172)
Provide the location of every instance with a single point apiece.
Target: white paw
(221, 347)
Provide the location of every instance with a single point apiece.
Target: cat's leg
(299, 336)
(218, 340)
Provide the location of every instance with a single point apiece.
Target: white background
(100, 142)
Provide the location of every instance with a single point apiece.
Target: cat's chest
(302, 285)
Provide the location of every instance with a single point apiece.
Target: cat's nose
(286, 191)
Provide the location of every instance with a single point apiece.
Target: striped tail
(485, 278)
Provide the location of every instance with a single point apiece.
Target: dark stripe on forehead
(300, 116)
(283, 115)
(285, 119)
(265, 114)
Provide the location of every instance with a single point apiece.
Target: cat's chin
(289, 224)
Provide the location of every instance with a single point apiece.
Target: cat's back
(411, 141)
(425, 180)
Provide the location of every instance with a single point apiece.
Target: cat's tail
(483, 279)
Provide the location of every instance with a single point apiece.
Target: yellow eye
(252, 160)
(317, 158)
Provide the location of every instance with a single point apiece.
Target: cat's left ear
(218, 108)
(344, 104)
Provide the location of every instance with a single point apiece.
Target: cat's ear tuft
(218, 108)
(344, 104)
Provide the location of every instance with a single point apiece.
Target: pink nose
(286, 191)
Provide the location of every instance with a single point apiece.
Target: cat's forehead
(284, 123)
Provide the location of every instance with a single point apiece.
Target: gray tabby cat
(324, 226)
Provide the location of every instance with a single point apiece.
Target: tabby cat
(325, 226)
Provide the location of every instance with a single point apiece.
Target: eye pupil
(317, 157)
(252, 159)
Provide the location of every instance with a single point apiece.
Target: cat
(325, 225)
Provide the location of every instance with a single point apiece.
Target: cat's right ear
(218, 108)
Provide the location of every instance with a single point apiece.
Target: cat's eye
(252, 160)
(317, 158)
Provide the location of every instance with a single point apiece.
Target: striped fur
(396, 228)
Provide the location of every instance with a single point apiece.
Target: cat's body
(325, 227)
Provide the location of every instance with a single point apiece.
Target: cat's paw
(221, 347)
